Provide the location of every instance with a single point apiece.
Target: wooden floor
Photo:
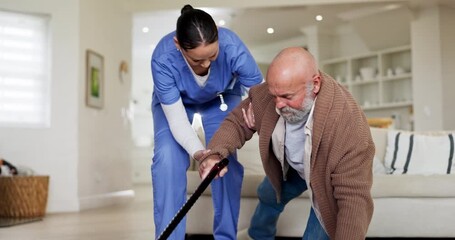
(127, 222)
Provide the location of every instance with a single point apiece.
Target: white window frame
(24, 70)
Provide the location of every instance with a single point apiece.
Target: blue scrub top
(173, 78)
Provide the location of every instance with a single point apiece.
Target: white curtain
(24, 70)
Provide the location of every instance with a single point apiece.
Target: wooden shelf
(388, 106)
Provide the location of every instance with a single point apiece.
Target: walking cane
(189, 203)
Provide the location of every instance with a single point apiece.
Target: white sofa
(405, 205)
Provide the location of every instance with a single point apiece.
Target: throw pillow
(420, 153)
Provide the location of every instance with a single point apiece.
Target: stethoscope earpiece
(223, 106)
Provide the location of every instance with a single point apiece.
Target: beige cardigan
(341, 161)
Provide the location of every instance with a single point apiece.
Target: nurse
(198, 68)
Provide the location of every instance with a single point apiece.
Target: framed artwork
(95, 79)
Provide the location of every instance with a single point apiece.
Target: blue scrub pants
(265, 218)
(170, 163)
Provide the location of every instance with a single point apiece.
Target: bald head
(293, 79)
(291, 63)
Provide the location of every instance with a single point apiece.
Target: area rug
(8, 222)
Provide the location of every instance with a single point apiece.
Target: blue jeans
(265, 218)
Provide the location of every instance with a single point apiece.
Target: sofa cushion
(249, 185)
(420, 153)
(384, 186)
(413, 186)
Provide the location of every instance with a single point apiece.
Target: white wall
(53, 151)
(104, 135)
(384, 29)
(448, 69)
(426, 66)
(347, 42)
(264, 54)
(85, 152)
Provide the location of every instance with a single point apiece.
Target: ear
(176, 42)
(316, 84)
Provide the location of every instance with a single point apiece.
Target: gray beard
(294, 116)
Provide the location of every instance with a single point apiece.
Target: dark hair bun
(186, 8)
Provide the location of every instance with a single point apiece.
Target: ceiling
(251, 23)
(288, 22)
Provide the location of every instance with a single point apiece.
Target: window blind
(24, 71)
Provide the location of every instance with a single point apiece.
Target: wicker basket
(23, 196)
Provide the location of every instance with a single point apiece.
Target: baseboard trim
(106, 199)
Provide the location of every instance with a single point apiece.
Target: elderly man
(312, 137)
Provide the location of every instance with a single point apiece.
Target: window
(24, 71)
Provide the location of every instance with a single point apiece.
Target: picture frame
(94, 79)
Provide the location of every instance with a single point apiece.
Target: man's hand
(206, 165)
(248, 117)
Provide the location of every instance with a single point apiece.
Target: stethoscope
(223, 105)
